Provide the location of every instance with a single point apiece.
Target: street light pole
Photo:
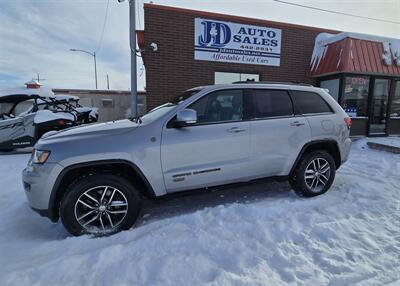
(94, 57)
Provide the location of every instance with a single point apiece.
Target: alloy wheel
(101, 209)
(317, 174)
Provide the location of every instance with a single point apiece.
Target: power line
(336, 12)
(104, 27)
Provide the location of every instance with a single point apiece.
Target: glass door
(379, 106)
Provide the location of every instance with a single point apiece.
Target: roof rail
(273, 82)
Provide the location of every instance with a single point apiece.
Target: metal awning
(355, 53)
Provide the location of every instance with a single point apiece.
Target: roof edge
(235, 18)
(114, 91)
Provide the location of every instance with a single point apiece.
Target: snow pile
(390, 141)
(349, 236)
(323, 40)
(47, 115)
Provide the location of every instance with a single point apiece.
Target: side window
(271, 103)
(220, 106)
(309, 102)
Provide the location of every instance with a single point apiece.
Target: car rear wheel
(100, 204)
(314, 174)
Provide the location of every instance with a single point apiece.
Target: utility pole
(132, 39)
(132, 43)
(108, 82)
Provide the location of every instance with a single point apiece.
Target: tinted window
(270, 103)
(309, 102)
(220, 106)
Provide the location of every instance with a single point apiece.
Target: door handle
(235, 130)
(297, 123)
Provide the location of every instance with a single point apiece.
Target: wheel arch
(125, 168)
(331, 146)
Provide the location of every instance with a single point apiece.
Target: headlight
(40, 156)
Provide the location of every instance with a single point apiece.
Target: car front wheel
(314, 174)
(99, 204)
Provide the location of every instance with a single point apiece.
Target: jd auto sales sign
(236, 43)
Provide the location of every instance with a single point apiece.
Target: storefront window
(355, 96)
(395, 109)
(230, 77)
(333, 86)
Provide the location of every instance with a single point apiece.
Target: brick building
(184, 48)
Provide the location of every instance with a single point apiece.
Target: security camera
(154, 47)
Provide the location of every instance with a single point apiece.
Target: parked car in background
(94, 177)
(24, 118)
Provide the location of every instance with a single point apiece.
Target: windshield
(5, 107)
(159, 111)
(15, 109)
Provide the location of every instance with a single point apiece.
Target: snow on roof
(324, 39)
(47, 115)
(33, 82)
(65, 97)
(45, 92)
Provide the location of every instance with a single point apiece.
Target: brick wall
(173, 69)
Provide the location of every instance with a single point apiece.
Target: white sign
(236, 43)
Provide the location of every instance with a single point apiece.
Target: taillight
(347, 121)
(61, 122)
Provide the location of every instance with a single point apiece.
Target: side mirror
(185, 117)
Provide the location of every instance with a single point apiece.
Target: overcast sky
(36, 35)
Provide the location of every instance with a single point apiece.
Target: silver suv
(94, 177)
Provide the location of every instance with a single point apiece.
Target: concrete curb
(383, 147)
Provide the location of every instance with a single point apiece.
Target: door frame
(371, 96)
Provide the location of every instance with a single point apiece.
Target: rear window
(309, 102)
(272, 103)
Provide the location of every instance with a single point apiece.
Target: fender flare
(308, 144)
(51, 208)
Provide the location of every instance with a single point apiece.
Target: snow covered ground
(259, 235)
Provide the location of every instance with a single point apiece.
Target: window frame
(298, 111)
(108, 101)
(253, 115)
(245, 92)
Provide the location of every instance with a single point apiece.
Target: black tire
(96, 183)
(298, 180)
